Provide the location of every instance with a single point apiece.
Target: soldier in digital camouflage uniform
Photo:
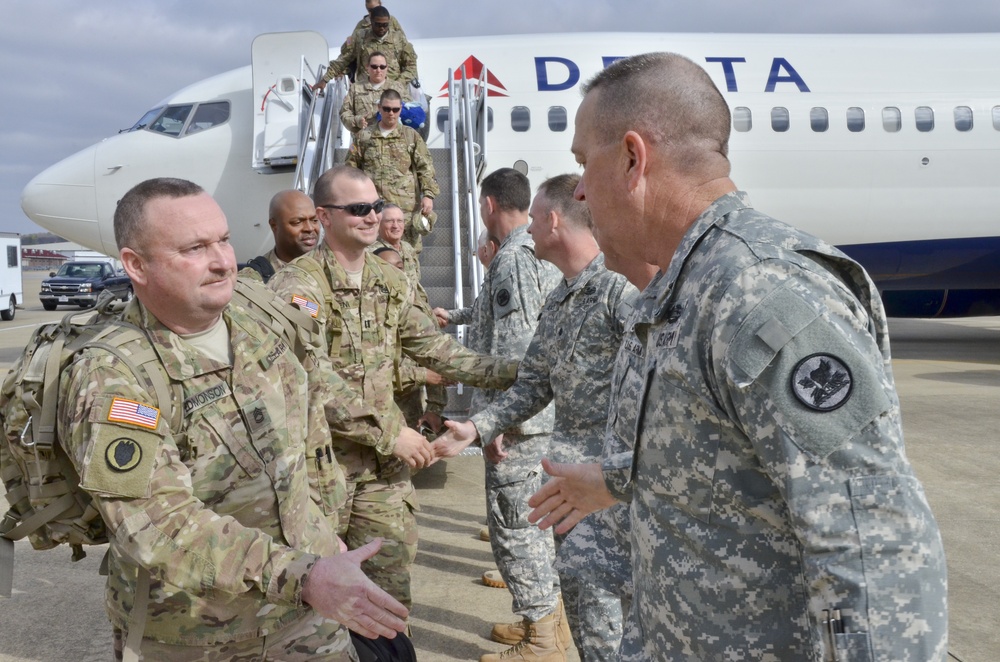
(567, 362)
(215, 539)
(366, 310)
(397, 160)
(774, 512)
(512, 296)
(380, 36)
(360, 107)
(486, 250)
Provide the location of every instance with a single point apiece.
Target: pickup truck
(80, 283)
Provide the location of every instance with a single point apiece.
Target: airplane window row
(892, 119)
(520, 119)
(184, 119)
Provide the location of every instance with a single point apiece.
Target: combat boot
(512, 633)
(540, 644)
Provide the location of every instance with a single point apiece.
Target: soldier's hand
(442, 317)
(363, 122)
(434, 379)
(337, 589)
(426, 205)
(459, 435)
(319, 86)
(494, 451)
(414, 449)
(575, 491)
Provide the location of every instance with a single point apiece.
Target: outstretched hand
(574, 491)
(338, 589)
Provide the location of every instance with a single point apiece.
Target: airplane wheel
(8, 314)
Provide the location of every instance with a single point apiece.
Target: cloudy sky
(74, 72)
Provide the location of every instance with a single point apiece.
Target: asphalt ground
(948, 377)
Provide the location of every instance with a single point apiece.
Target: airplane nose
(63, 199)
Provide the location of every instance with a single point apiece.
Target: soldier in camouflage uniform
(390, 234)
(366, 310)
(360, 107)
(397, 160)
(774, 512)
(217, 549)
(381, 36)
(293, 222)
(567, 363)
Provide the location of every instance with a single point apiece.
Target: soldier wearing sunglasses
(360, 108)
(367, 310)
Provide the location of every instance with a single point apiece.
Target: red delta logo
(474, 72)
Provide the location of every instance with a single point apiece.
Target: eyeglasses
(359, 209)
(391, 109)
(379, 66)
(384, 25)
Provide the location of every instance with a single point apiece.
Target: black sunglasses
(359, 209)
(378, 66)
(390, 109)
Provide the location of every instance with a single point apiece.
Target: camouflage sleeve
(526, 397)
(437, 398)
(423, 165)
(407, 61)
(356, 154)
(422, 340)
(347, 113)
(145, 496)
(339, 66)
(348, 416)
(409, 376)
(461, 316)
(805, 379)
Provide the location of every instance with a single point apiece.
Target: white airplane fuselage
(905, 175)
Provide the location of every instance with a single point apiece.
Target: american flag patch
(310, 307)
(136, 413)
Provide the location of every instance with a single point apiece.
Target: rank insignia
(821, 382)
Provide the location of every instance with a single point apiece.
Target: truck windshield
(80, 270)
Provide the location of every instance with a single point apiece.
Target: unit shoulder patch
(822, 382)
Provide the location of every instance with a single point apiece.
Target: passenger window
(963, 118)
(557, 118)
(172, 120)
(996, 117)
(742, 119)
(520, 118)
(819, 119)
(892, 119)
(924, 115)
(207, 115)
(779, 119)
(442, 119)
(855, 119)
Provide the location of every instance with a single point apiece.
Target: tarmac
(948, 377)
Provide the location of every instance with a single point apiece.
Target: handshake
(453, 437)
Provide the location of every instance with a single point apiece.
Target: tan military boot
(512, 633)
(495, 579)
(540, 644)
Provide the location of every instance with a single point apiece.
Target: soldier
(486, 249)
(366, 308)
(382, 37)
(513, 293)
(390, 234)
(397, 160)
(774, 511)
(217, 550)
(567, 363)
(292, 217)
(360, 107)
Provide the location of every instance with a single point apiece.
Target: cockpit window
(172, 120)
(207, 115)
(147, 119)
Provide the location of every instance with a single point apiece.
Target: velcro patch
(305, 304)
(134, 413)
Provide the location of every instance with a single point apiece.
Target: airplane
(887, 146)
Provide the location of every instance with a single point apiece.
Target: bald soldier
(775, 515)
(293, 222)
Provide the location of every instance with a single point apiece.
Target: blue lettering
(541, 71)
(791, 76)
(727, 68)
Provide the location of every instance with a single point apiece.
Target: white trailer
(11, 290)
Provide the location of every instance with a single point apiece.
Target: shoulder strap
(314, 268)
(262, 265)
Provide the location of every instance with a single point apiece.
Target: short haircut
(666, 98)
(510, 189)
(377, 54)
(323, 190)
(130, 214)
(384, 249)
(379, 12)
(390, 205)
(390, 95)
(559, 194)
(371, 4)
